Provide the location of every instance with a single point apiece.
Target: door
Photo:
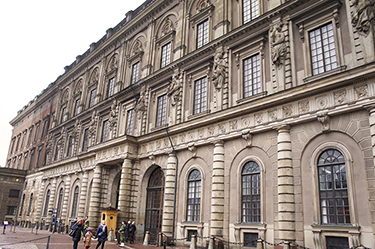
(154, 204)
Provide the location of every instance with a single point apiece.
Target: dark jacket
(102, 233)
(132, 230)
(78, 232)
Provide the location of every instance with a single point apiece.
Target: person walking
(122, 233)
(86, 224)
(132, 230)
(127, 231)
(101, 234)
(87, 239)
(78, 227)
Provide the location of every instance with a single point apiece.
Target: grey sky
(38, 38)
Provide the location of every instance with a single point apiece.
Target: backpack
(72, 232)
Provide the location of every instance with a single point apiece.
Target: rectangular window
(45, 127)
(191, 233)
(251, 71)
(200, 95)
(38, 158)
(135, 73)
(31, 160)
(250, 10)
(23, 139)
(70, 145)
(11, 210)
(92, 98)
(63, 111)
(13, 142)
(337, 242)
(111, 85)
(323, 52)
(130, 123)
(202, 35)
(250, 239)
(29, 139)
(166, 55)
(161, 110)
(14, 162)
(76, 106)
(105, 131)
(14, 193)
(18, 142)
(19, 161)
(85, 140)
(24, 161)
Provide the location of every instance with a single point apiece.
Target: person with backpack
(132, 230)
(101, 234)
(77, 229)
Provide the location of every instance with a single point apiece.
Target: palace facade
(241, 119)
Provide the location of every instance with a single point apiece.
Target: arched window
(75, 202)
(333, 189)
(194, 196)
(59, 202)
(30, 203)
(22, 203)
(251, 192)
(45, 212)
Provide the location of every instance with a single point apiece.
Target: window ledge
(198, 115)
(192, 224)
(324, 75)
(252, 98)
(259, 226)
(159, 127)
(336, 228)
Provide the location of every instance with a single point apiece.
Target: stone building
(238, 119)
(11, 186)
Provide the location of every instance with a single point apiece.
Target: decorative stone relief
(303, 107)
(322, 102)
(340, 97)
(233, 125)
(113, 117)
(324, 119)
(141, 106)
(94, 76)
(258, 118)
(192, 149)
(363, 16)
(248, 137)
(245, 121)
(200, 133)
(288, 111)
(92, 127)
(361, 91)
(272, 114)
(222, 128)
(278, 46)
(211, 130)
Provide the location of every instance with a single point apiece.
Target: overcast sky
(38, 39)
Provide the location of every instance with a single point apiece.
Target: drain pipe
(175, 185)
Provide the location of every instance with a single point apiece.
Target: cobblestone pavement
(24, 238)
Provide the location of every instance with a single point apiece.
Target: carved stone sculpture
(278, 46)
(141, 103)
(174, 89)
(218, 76)
(364, 15)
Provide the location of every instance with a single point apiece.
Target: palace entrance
(154, 204)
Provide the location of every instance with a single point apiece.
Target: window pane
(200, 95)
(202, 35)
(161, 110)
(252, 82)
(105, 131)
(166, 55)
(250, 10)
(194, 196)
(251, 192)
(130, 122)
(111, 85)
(135, 73)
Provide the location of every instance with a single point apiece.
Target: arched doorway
(154, 204)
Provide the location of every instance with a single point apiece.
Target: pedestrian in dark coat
(132, 230)
(127, 231)
(102, 234)
(78, 227)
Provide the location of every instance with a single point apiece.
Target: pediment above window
(207, 11)
(166, 37)
(135, 57)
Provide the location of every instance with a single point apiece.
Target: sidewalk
(24, 239)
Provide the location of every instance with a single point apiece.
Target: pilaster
(51, 203)
(124, 191)
(64, 213)
(96, 190)
(83, 194)
(39, 204)
(170, 177)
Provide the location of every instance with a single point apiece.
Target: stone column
(39, 204)
(82, 198)
(217, 193)
(94, 212)
(285, 185)
(64, 211)
(370, 172)
(170, 177)
(51, 203)
(124, 191)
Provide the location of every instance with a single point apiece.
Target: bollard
(110, 237)
(259, 244)
(160, 239)
(48, 242)
(164, 244)
(147, 238)
(193, 243)
(286, 245)
(211, 244)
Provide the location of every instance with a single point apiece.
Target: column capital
(218, 142)
(370, 108)
(282, 128)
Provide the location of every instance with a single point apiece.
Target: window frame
(242, 19)
(46, 203)
(76, 106)
(135, 75)
(167, 61)
(69, 149)
(202, 98)
(105, 131)
(195, 217)
(199, 17)
(130, 122)
(205, 34)
(257, 173)
(62, 114)
(161, 120)
(45, 126)
(75, 202)
(85, 142)
(92, 96)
